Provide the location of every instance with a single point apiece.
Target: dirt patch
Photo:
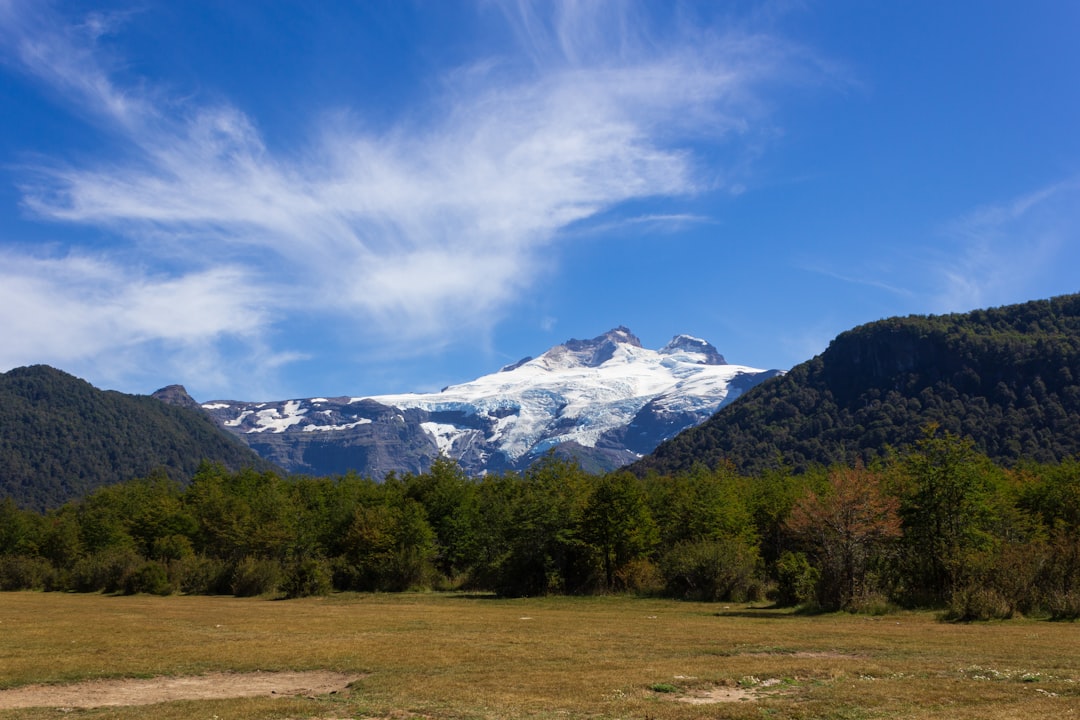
(215, 686)
(719, 695)
(749, 689)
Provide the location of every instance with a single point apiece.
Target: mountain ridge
(60, 438)
(1006, 377)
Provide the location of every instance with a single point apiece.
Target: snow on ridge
(329, 428)
(235, 422)
(277, 421)
(216, 406)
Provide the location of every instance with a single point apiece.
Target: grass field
(450, 656)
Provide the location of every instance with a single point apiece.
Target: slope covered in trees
(1008, 378)
(61, 437)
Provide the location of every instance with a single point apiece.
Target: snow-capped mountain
(606, 401)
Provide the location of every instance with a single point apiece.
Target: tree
(616, 521)
(948, 510)
(545, 553)
(389, 544)
(449, 499)
(18, 529)
(844, 527)
(702, 504)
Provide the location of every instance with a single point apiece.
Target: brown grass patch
(443, 656)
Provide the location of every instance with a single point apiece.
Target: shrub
(151, 578)
(639, 576)
(871, 603)
(105, 571)
(797, 580)
(1059, 579)
(711, 570)
(201, 575)
(255, 576)
(345, 575)
(172, 547)
(19, 572)
(307, 578)
(1063, 605)
(408, 568)
(976, 602)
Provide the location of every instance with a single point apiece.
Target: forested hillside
(61, 437)
(1008, 378)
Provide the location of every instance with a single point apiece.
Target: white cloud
(420, 232)
(85, 312)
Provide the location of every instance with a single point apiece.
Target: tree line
(937, 525)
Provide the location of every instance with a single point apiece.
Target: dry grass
(448, 656)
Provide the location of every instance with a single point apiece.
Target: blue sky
(268, 200)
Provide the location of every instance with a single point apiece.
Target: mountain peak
(688, 344)
(176, 395)
(594, 352)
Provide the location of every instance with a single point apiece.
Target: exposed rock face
(177, 395)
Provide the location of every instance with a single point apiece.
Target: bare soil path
(99, 693)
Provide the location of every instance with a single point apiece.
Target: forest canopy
(939, 525)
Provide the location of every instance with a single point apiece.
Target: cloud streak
(421, 232)
(1012, 251)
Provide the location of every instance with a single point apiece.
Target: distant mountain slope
(61, 437)
(1007, 377)
(605, 401)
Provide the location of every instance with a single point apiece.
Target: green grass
(451, 656)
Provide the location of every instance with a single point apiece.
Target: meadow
(435, 655)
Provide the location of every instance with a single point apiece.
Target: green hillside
(1007, 377)
(60, 438)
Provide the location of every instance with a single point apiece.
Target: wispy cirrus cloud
(424, 231)
(997, 254)
(1027, 247)
(90, 314)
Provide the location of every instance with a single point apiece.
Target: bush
(345, 575)
(1059, 580)
(797, 580)
(201, 575)
(254, 576)
(976, 602)
(639, 576)
(151, 578)
(105, 571)
(1063, 605)
(19, 572)
(306, 578)
(711, 570)
(871, 603)
(172, 547)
